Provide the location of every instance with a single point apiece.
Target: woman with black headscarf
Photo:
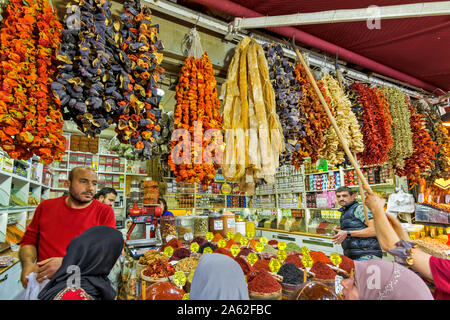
(83, 274)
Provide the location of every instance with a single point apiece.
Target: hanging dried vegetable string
(421, 162)
(30, 122)
(253, 133)
(433, 125)
(140, 121)
(197, 110)
(287, 96)
(402, 146)
(376, 126)
(317, 122)
(346, 121)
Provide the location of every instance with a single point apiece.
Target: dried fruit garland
(287, 97)
(402, 147)
(440, 137)
(317, 121)
(346, 121)
(421, 162)
(197, 105)
(376, 124)
(30, 122)
(139, 118)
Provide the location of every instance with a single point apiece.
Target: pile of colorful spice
(230, 243)
(155, 269)
(217, 237)
(291, 274)
(187, 265)
(200, 240)
(262, 265)
(179, 254)
(347, 264)
(295, 260)
(252, 243)
(264, 282)
(244, 251)
(207, 245)
(273, 242)
(292, 246)
(320, 256)
(245, 266)
(322, 271)
(174, 243)
(224, 251)
(269, 249)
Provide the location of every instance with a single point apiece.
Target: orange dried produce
(320, 256)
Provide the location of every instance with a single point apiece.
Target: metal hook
(196, 22)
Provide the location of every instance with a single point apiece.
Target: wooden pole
(342, 140)
(363, 199)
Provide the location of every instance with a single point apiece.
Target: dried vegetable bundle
(90, 64)
(346, 121)
(140, 120)
(30, 122)
(402, 146)
(376, 123)
(197, 110)
(253, 137)
(440, 137)
(287, 96)
(317, 120)
(421, 162)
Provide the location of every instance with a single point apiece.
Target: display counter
(10, 285)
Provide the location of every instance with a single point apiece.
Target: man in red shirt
(57, 221)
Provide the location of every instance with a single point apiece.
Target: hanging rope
(192, 45)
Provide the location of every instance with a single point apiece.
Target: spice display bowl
(153, 280)
(265, 296)
(140, 268)
(289, 290)
(314, 290)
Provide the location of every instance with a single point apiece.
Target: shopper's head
(88, 261)
(107, 196)
(344, 195)
(218, 277)
(384, 280)
(82, 184)
(163, 204)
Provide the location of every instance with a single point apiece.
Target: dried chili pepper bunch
(287, 96)
(376, 123)
(433, 125)
(91, 69)
(420, 164)
(30, 122)
(347, 122)
(140, 121)
(402, 147)
(197, 110)
(318, 121)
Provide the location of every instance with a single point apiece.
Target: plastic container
(185, 228)
(240, 226)
(229, 223)
(216, 224)
(250, 226)
(201, 226)
(289, 290)
(168, 227)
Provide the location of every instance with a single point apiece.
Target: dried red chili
(264, 282)
(273, 242)
(322, 271)
(295, 260)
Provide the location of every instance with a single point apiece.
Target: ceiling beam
(346, 15)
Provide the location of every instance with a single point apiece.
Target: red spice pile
(347, 264)
(262, 265)
(245, 266)
(230, 243)
(264, 283)
(244, 251)
(320, 256)
(223, 251)
(174, 243)
(273, 242)
(322, 271)
(295, 260)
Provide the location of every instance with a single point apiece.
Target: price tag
(252, 258)
(244, 241)
(168, 251)
(282, 255)
(230, 235)
(338, 285)
(179, 278)
(336, 259)
(305, 251)
(250, 234)
(222, 243)
(274, 265)
(186, 296)
(207, 250)
(209, 236)
(259, 247)
(307, 261)
(263, 240)
(235, 250)
(282, 245)
(195, 247)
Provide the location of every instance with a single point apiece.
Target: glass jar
(250, 226)
(168, 228)
(240, 226)
(201, 227)
(185, 228)
(216, 224)
(229, 223)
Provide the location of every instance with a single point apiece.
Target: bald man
(57, 221)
